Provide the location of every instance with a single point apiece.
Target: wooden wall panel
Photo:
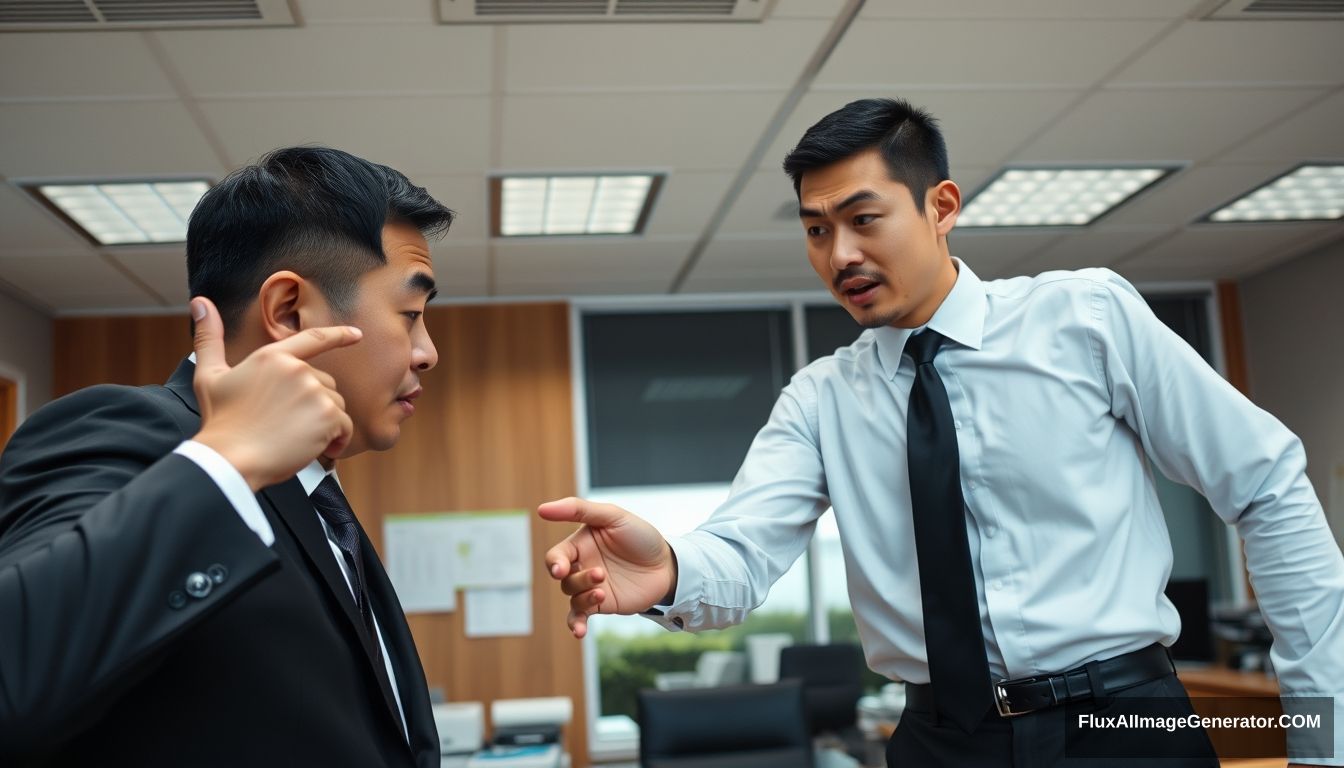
(493, 430)
(116, 350)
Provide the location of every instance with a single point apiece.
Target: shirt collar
(312, 475)
(961, 318)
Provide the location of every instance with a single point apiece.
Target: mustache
(852, 272)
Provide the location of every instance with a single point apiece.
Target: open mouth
(859, 290)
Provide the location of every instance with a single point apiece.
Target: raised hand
(273, 413)
(615, 563)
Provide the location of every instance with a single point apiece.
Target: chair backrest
(744, 726)
(832, 678)
(715, 668)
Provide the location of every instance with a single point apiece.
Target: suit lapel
(422, 732)
(295, 509)
(291, 505)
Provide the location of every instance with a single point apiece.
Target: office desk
(1256, 694)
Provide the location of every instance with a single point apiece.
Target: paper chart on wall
(429, 557)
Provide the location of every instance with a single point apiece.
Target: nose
(423, 354)
(845, 251)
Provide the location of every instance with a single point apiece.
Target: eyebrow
(857, 197)
(422, 283)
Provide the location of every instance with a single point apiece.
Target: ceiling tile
(757, 209)
(164, 270)
(993, 254)
(1062, 53)
(73, 280)
(1027, 9)
(109, 64)
(806, 9)
(1187, 195)
(1173, 125)
(980, 127)
(1316, 133)
(1216, 52)
(686, 202)
(332, 59)
(733, 257)
(758, 283)
(461, 270)
(571, 266)
(25, 223)
(1080, 250)
(417, 136)
(468, 196)
(569, 57)
(1218, 251)
(102, 140)
(685, 131)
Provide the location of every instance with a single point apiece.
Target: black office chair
(832, 678)
(741, 726)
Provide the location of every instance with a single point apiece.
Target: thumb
(209, 336)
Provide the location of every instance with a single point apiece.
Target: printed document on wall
(419, 553)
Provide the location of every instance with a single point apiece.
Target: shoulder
(127, 415)
(848, 361)
(1057, 284)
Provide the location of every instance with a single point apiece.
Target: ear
(944, 201)
(288, 304)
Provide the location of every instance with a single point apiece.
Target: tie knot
(923, 346)
(331, 503)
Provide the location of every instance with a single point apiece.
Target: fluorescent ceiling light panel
(1054, 197)
(574, 205)
(1309, 193)
(126, 213)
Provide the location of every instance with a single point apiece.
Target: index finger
(314, 341)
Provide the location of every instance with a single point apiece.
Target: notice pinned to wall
(429, 557)
(498, 611)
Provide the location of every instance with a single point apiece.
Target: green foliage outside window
(628, 663)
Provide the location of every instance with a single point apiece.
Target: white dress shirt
(1060, 385)
(236, 490)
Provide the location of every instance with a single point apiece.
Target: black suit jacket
(114, 649)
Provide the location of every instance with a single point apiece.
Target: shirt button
(997, 585)
(972, 484)
(957, 424)
(217, 573)
(199, 585)
(990, 531)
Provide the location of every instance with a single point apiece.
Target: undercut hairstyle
(316, 211)
(908, 139)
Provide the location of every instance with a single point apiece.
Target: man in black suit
(181, 579)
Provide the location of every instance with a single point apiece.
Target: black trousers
(1037, 740)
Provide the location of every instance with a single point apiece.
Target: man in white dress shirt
(986, 447)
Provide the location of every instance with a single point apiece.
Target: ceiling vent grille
(1258, 10)
(84, 15)
(627, 11)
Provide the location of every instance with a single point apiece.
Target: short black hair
(316, 211)
(908, 138)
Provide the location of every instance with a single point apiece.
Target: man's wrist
(671, 596)
(239, 458)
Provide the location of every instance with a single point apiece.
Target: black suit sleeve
(100, 527)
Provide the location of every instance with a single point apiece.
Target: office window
(676, 397)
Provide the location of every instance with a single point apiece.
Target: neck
(946, 279)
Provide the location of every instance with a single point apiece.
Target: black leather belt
(1030, 694)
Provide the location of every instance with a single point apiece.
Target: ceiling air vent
(1257, 10)
(84, 15)
(627, 11)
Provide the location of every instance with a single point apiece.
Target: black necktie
(958, 668)
(333, 507)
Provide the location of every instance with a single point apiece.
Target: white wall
(1294, 323)
(25, 352)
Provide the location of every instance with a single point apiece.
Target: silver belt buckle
(1001, 701)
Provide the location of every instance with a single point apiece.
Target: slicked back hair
(908, 139)
(316, 211)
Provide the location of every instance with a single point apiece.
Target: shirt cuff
(690, 588)
(232, 485)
